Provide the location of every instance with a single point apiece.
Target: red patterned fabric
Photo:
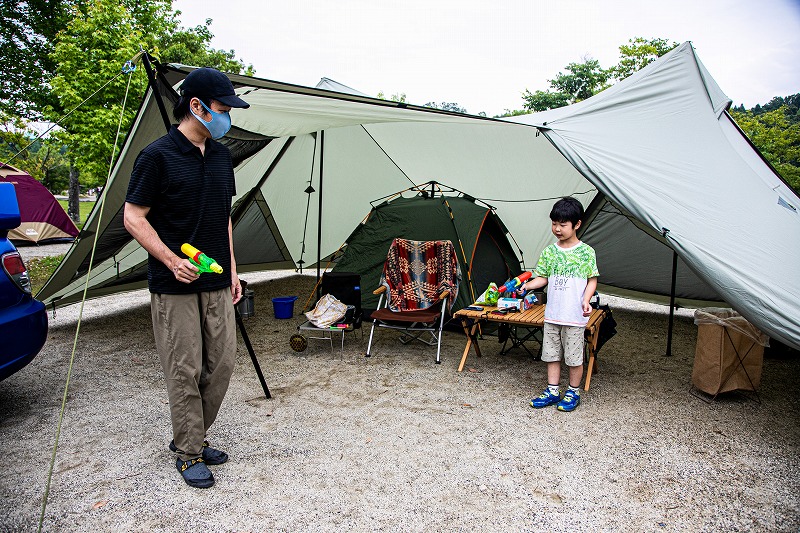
(416, 272)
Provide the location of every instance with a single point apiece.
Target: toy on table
(514, 284)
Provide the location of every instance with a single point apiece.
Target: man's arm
(139, 227)
(236, 286)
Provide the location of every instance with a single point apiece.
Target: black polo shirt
(189, 196)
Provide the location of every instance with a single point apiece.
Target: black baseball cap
(209, 82)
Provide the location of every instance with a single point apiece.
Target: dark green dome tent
(479, 236)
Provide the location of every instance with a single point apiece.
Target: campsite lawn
(85, 209)
(40, 269)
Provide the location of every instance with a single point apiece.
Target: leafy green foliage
(88, 55)
(28, 30)
(396, 97)
(446, 106)
(583, 80)
(543, 100)
(637, 54)
(40, 269)
(776, 137)
(43, 159)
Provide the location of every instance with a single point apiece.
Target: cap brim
(232, 101)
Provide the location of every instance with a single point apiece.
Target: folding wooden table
(532, 318)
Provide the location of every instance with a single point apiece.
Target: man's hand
(184, 270)
(236, 289)
(587, 309)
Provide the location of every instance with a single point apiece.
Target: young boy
(569, 268)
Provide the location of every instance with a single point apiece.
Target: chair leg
(372, 331)
(439, 343)
(369, 344)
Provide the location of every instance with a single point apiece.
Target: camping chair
(419, 280)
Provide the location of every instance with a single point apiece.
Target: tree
(581, 81)
(447, 106)
(43, 158)
(88, 55)
(513, 113)
(586, 79)
(28, 31)
(396, 97)
(776, 138)
(543, 100)
(637, 54)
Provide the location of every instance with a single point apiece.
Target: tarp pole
(319, 212)
(672, 302)
(151, 78)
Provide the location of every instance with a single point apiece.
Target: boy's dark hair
(181, 108)
(568, 209)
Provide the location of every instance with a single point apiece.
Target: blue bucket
(284, 306)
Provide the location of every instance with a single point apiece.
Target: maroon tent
(43, 218)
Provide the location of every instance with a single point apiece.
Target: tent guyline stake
(129, 68)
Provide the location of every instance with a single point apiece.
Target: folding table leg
(470, 328)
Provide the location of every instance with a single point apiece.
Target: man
(180, 192)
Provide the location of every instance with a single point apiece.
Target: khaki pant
(196, 341)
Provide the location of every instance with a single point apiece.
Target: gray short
(563, 340)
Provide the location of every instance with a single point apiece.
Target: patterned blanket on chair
(416, 272)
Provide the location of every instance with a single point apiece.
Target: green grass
(85, 209)
(40, 269)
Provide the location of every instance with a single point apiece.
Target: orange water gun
(200, 260)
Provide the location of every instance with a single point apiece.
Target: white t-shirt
(567, 271)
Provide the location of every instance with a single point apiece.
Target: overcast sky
(484, 54)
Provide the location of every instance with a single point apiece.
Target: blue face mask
(219, 125)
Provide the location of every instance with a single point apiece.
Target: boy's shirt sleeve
(590, 263)
(545, 265)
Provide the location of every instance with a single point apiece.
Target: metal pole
(151, 78)
(319, 213)
(672, 302)
(252, 354)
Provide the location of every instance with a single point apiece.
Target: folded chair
(419, 285)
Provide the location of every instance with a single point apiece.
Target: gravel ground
(394, 442)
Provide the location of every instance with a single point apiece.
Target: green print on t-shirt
(578, 262)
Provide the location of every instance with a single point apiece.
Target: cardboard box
(509, 303)
(726, 359)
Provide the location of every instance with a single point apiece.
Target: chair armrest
(444, 295)
(379, 290)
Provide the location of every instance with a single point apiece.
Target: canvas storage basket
(328, 311)
(729, 353)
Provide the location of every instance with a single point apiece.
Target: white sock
(576, 390)
(553, 389)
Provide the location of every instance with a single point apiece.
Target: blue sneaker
(571, 400)
(545, 399)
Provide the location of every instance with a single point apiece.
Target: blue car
(23, 319)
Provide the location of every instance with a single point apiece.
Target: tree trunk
(74, 208)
